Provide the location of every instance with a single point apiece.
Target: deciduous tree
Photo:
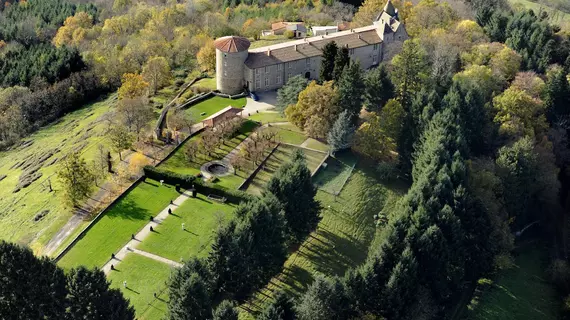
(156, 72)
(133, 86)
(76, 179)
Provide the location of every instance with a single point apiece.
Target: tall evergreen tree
(557, 95)
(325, 299)
(341, 60)
(90, 297)
(289, 93)
(281, 308)
(226, 310)
(327, 62)
(351, 89)
(409, 72)
(31, 288)
(342, 133)
(378, 88)
(293, 187)
(190, 300)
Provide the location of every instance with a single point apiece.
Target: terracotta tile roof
(232, 44)
(283, 24)
(311, 47)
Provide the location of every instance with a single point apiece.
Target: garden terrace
(210, 106)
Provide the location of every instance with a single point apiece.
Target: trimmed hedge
(186, 181)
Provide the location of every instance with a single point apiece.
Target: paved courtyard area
(267, 101)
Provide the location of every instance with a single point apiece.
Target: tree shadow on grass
(128, 209)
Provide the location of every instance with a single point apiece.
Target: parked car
(253, 96)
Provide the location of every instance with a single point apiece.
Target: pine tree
(409, 72)
(325, 299)
(557, 100)
(378, 88)
(341, 134)
(351, 89)
(341, 60)
(226, 310)
(90, 297)
(327, 62)
(31, 288)
(190, 299)
(281, 308)
(293, 187)
(289, 93)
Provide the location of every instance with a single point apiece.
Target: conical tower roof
(390, 9)
(232, 44)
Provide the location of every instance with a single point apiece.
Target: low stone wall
(235, 96)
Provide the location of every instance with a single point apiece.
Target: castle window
(351, 51)
(290, 65)
(257, 84)
(289, 75)
(257, 71)
(267, 82)
(266, 69)
(279, 67)
(376, 46)
(225, 73)
(308, 62)
(278, 79)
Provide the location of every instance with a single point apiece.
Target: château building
(269, 68)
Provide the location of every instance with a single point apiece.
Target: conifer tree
(327, 62)
(293, 187)
(341, 60)
(281, 308)
(325, 299)
(190, 299)
(289, 93)
(226, 310)
(342, 132)
(378, 88)
(351, 89)
(557, 95)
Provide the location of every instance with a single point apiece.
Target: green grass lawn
(81, 130)
(341, 240)
(521, 293)
(213, 105)
(278, 158)
(332, 177)
(288, 133)
(114, 229)
(209, 83)
(268, 41)
(178, 162)
(201, 217)
(144, 277)
(317, 145)
(268, 117)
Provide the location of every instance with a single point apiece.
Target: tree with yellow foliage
(74, 30)
(370, 9)
(156, 72)
(519, 114)
(137, 163)
(133, 86)
(428, 15)
(207, 56)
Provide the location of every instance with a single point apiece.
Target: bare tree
(191, 151)
(135, 113)
(210, 141)
(179, 120)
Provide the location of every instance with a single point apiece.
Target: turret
(231, 53)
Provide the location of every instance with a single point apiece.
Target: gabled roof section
(232, 44)
(390, 9)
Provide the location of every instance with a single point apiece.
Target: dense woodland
(472, 113)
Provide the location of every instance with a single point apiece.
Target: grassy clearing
(209, 83)
(208, 107)
(521, 293)
(81, 130)
(556, 16)
(144, 277)
(114, 229)
(201, 218)
(268, 41)
(288, 133)
(268, 117)
(278, 158)
(340, 241)
(178, 162)
(317, 145)
(332, 178)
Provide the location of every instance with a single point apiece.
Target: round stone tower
(231, 53)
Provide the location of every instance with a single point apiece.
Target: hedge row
(186, 181)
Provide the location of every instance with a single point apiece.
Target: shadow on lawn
(128, 209)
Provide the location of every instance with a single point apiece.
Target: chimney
(359, 36)
(295, 47)
(322, 37)
(268, 52)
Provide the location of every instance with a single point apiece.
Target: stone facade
(269, 68)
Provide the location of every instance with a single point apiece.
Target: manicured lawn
(213, 105)
(144, 277)
(178, 162)
(283, 154)
(341, 240)
(114, 229)
(522, 292)
(201, 218)
(332, 177)
(268, 117)
(317, 145)
(289, 133)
